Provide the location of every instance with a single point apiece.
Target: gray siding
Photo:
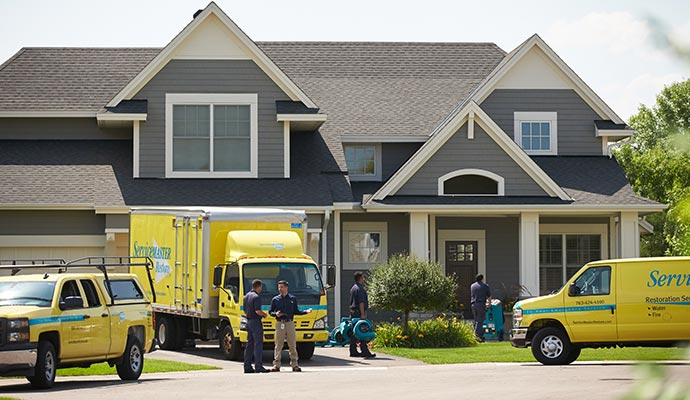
(502, 248)
(398, 242)
(117, 221)
(575, 117)
(36, 222)
(211, 76)
(59, 129)
(482, 153)
(394, 155)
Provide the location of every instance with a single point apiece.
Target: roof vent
(196, 14)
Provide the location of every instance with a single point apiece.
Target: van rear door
(590, 305)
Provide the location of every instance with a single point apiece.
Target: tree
(407, 284)
(657, 164)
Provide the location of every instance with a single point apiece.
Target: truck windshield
(304, 280)
(38, 294)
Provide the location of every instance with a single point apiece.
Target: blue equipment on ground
(493, 324)
(340, 335)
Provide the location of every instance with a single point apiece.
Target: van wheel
(230, 346)
(132, 362)
(46, 366)
(551, 346)
(574, 354)
(165, 333)
(305, 350)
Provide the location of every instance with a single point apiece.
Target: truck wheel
(574, 354)
(46, 365)
(551, 346)
(229, 345)
(305, 350)
(132, 362)
(165, 333)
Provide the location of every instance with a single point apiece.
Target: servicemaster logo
(159, 255)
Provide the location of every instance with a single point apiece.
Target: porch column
(529, 251)
(419, 235)
(629, 243)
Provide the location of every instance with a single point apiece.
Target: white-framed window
(211, 135)
(363, 161)
(537, 132)
(471, 182)
(366, 244)
(563, 250)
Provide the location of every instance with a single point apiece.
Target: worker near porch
(359, 304)
(284, 307)
(480, 293)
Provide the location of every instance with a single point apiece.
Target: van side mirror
(217, 275)
(71, 303)
(330, 275)
(573, 290)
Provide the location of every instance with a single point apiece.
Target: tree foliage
(407, 284)
(657, 163)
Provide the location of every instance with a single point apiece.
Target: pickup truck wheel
(551, 346)
(46, 365)
(165, 333)
(230, 346)
(132, 362)
(305, 350)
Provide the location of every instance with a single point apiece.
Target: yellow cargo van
(610, 303)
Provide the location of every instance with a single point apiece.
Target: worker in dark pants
(255, 329)
(359, 304)
(480, 293)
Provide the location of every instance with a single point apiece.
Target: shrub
(434, 333)
(407, 284)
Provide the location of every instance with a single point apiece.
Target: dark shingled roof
(293, 107)
(129, 107)
(608, 124)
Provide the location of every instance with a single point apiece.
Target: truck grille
(3, 330)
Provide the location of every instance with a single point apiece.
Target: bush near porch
(433, 333)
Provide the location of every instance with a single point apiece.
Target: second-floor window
(363, 161)
(211, 135)
(536, 132)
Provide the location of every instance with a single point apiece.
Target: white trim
(47, 114)
(286, 149)
(478, 235)
(646, 225)
(116, 230)
(250, 99)
(112, 210)
(494, 131)
(613, 237)
(529, 251)
(613, 132)
(419, 235)
(470, 125)
(500, 182)
(515, 209)
(337, 260)
(121, 117)
(301, 117)
(254, 52)
(587, 94)
(378, 167)
(605, 146)
(46, 206)
(384, 138)
(629, 235)
(529, 116)
(364, 227)
(53, 241)
(432, 237)
(135, 149)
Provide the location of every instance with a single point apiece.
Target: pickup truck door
(99, 319)
(79, 327)
(590, 306)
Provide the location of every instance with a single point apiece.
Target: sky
(610, 44)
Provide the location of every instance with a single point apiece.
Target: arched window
(471, 182)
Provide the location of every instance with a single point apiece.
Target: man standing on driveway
(480, 293)
(359, 304)
(284, 307)
(255, 329)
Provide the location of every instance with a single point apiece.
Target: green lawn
(504, 352)
(150, 365)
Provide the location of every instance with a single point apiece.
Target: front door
(461, 260)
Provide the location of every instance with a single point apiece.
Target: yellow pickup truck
(52, 317)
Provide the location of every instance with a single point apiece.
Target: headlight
(16, 337)
(243, 323)
(517, 317)
(18, 323)
(320, 323)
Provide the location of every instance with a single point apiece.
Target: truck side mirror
(71, 303)
(217, 275)
(573, 290)
(330, 276)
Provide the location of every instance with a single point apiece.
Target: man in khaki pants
(284, 308)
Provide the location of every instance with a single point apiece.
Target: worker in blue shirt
(480, 293)
(284, 308)
(255, 329)
(359, 304)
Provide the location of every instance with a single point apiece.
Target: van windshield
(38, 294)
(304, 280)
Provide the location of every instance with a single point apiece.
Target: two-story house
(485, 161)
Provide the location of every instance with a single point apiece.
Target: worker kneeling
(284, 307)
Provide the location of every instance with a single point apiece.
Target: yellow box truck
(626, 302)
(205, 261)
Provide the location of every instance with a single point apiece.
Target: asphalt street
(331, 374)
